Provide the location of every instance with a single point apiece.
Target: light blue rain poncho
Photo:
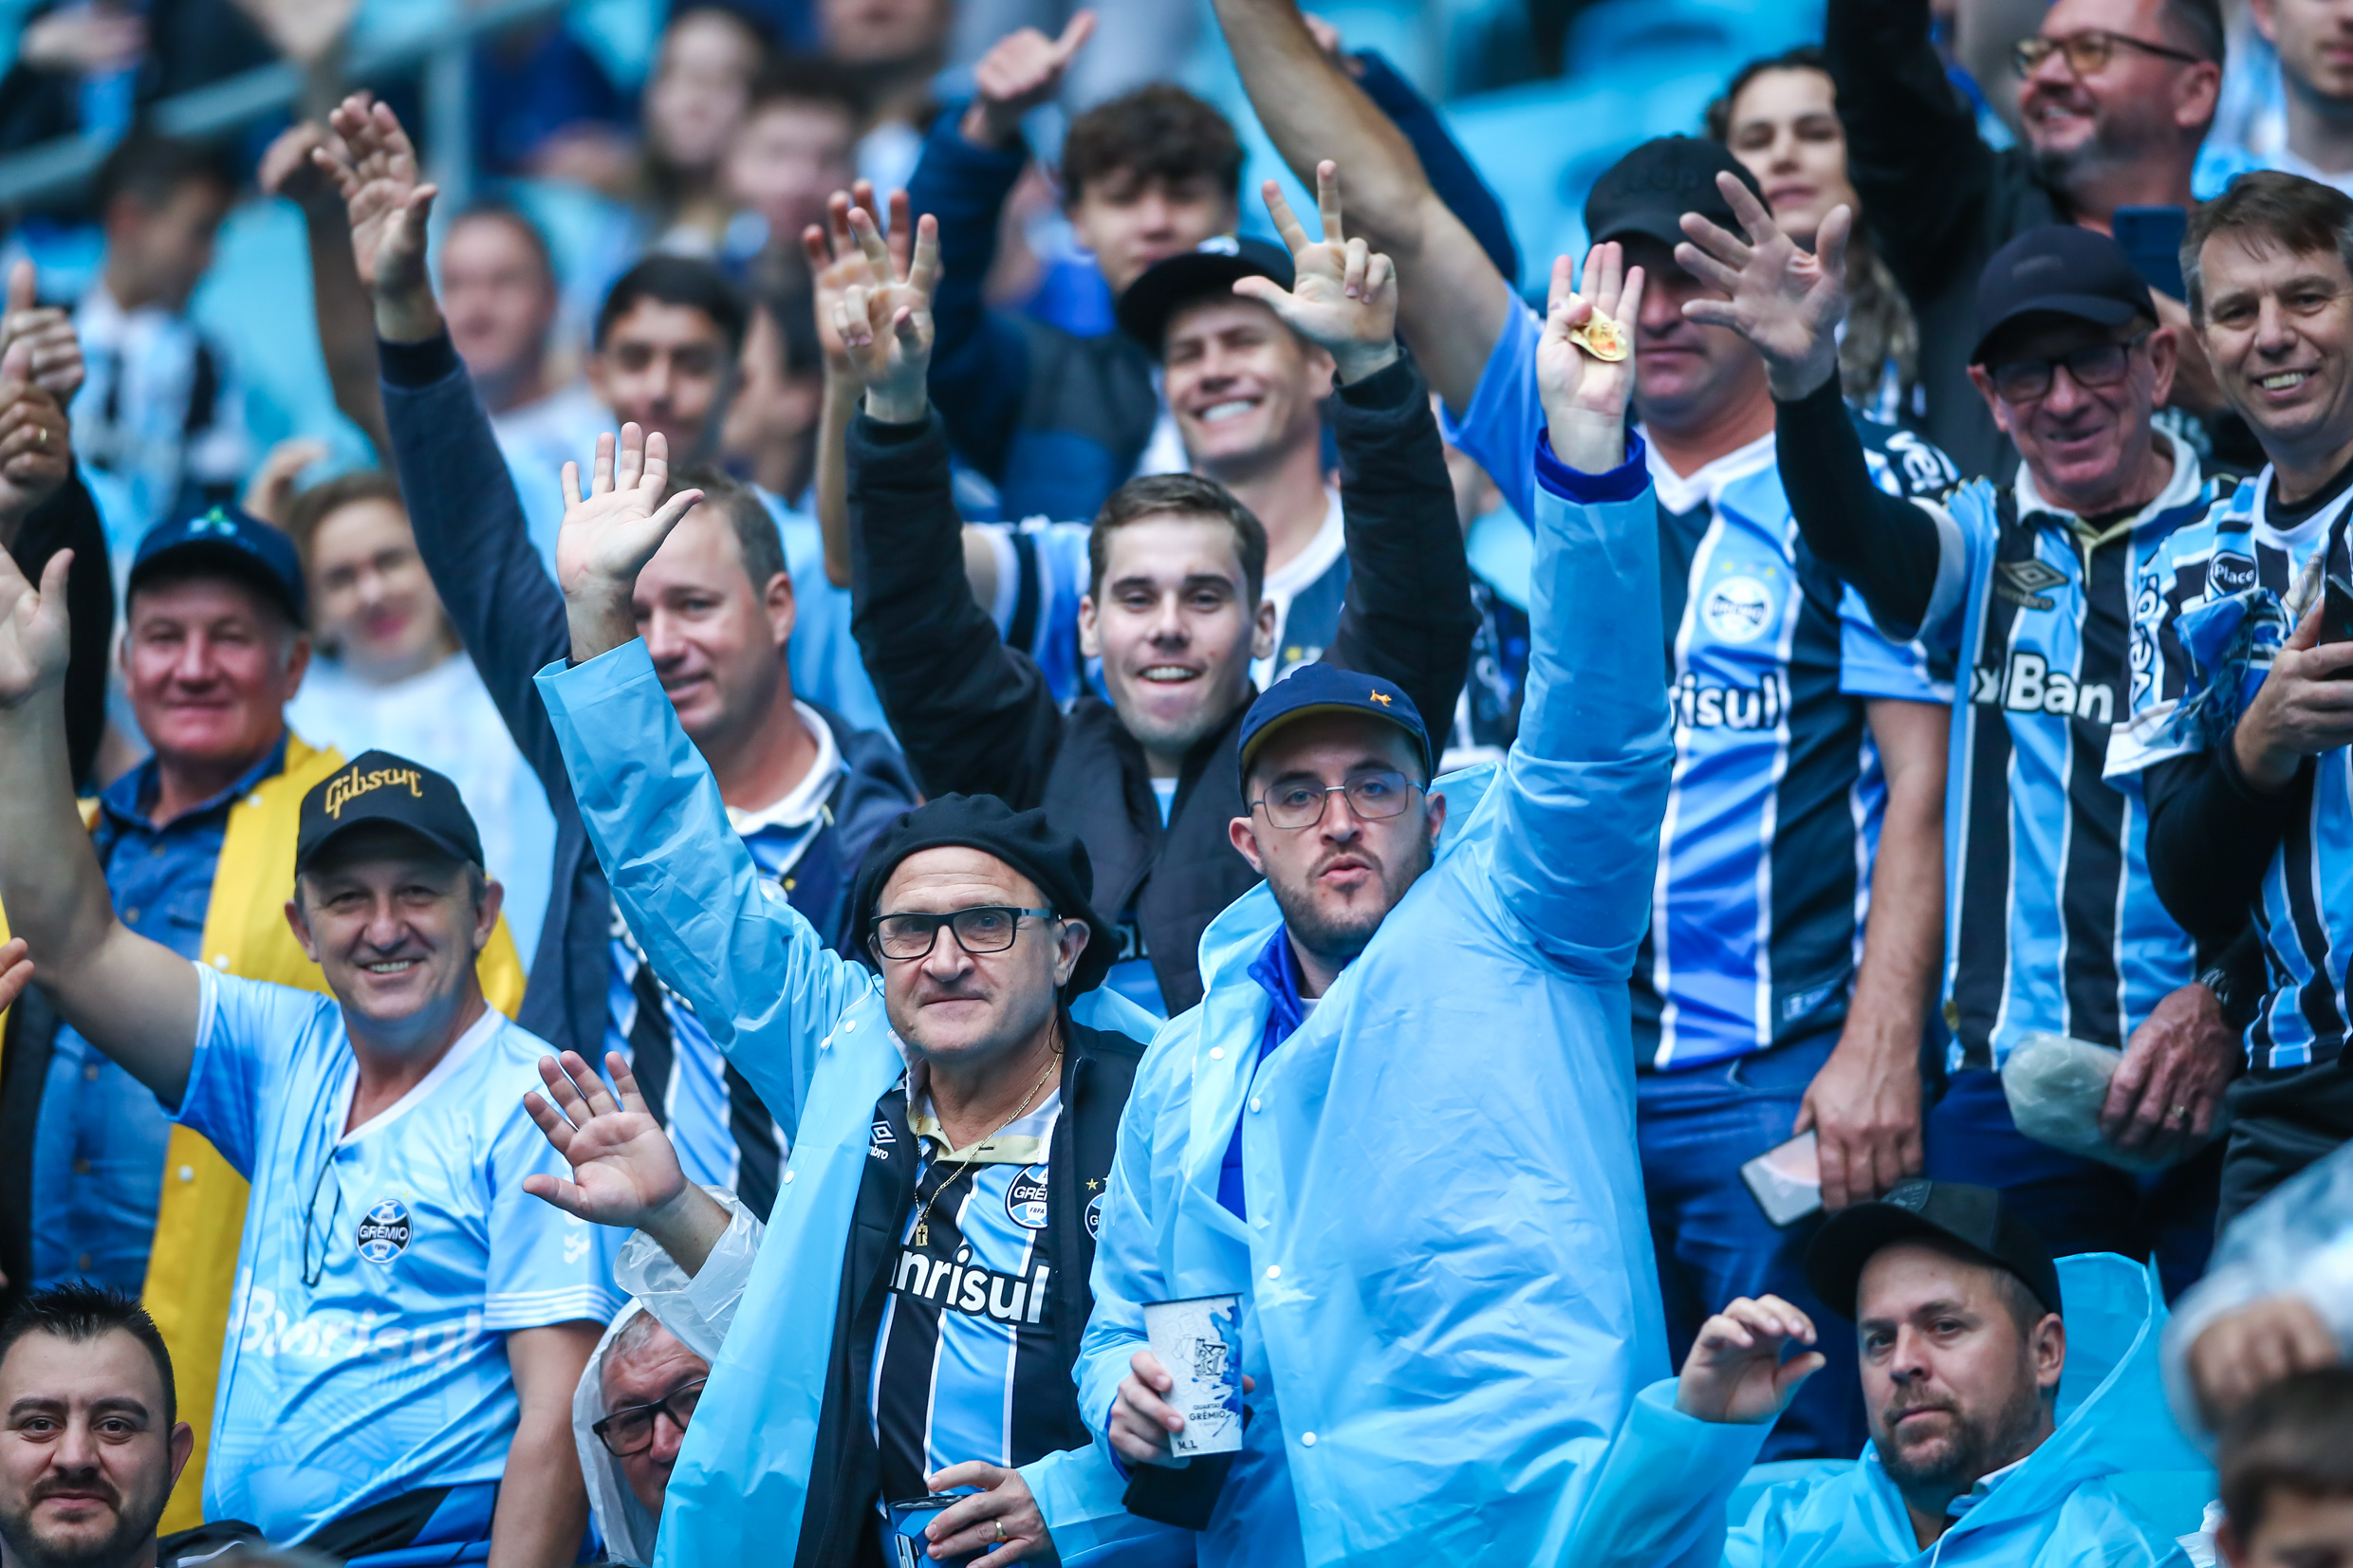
(2110, 1488)
(1448, 1298)
(808, 1029)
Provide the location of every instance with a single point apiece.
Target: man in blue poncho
(1998, 1429)
(1400, 1126)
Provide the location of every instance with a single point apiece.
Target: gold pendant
(922, 1233)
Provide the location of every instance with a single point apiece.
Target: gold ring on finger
(1000, 1527)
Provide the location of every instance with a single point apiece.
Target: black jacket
(845, 1471)
(977, 717)
(510, 615)
(1938, 200)
(68, 520)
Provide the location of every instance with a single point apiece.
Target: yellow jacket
(191, 1268)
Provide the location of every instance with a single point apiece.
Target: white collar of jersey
(799, 805)
(1681, 492)
(2296, 537)
(1329, 543)
(460, 1052)
(1025, 1140)
(2179, 490)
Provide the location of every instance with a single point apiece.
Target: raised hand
(610, 533)
(1786, 301)
(837, 262)
(1343, 295)
(1585, 397)
(33, 640)
(1735, 1373)
(1021, 70)
(47, 334)
(375, 168)
(289, 168)
(35, 440)
(624, 1169)
(885, 326)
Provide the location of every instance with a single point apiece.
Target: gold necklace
(923, 1215)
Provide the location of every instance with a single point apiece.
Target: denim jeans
(2074, 1203)
(1697, 1128)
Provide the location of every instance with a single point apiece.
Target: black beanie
(1022, 839)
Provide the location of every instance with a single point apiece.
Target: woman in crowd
(1780, 117)
(387, 672)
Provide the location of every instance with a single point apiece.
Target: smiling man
(1177, 605)
(952, 1096)
(1964, 1359)
(399, 1265)
(2241, 717)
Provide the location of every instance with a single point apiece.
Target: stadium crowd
(874, 815)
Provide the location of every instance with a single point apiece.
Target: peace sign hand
(1343, 295)
(885, 326)
(1786, 301)
(1584, 398)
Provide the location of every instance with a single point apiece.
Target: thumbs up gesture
(53, 352)
(1021, 70)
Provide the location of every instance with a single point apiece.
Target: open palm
(1584, 398)
(1785, 300)
(624, 1165)
(1343, 295)
(375, 170)
(33, 632)
(610, 533)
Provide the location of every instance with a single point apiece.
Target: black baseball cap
(1025, 840)
(1210, 267)
(2059, 269)
(234, 541)
(1321, 687)
(1648, 191)
(377, 786)
(1972, 1218)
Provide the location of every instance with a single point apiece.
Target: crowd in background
(718, 454)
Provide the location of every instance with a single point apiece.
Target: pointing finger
(1080, 29)
(1328, 201)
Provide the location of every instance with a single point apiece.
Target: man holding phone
(2241, 711)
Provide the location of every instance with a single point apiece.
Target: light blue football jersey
(1762, 885)
(380, 1270)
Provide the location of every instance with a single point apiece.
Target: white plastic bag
(2055, 1085)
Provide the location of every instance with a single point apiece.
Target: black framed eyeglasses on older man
(630, 1430)
(986, 927)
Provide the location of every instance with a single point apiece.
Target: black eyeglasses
(631, 1430)
(988, 928)
(2087, 51)
(2093, 365)
(1372, 796)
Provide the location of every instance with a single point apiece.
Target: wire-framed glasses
(1372, 795)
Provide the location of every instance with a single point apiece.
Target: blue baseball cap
(1321, 687)
(234, 541)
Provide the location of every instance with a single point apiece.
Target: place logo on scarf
(384, 1231)
(2231, 573)
(1025, 1200)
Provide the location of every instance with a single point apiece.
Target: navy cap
(1973, 1218)
(378, 786)
(1648, 191)
(1321, 687)
(1210, 267)
(237, 544)
(2059, 269)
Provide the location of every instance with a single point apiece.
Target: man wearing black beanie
(951, 1125)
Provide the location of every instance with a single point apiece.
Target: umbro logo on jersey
(384, 1231)
(2031, 686)
(882, 1136)
(2229, 574)
(2023, 582)
(1024, 1201)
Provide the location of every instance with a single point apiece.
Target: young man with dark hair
(1963, 1357)
(91, 1441)
(2240, 725)
(1175, 611)
(396, 1264)
(160, 421)
(719, 609)
(1055, 420)
(2287, 1476)
(2114, 98)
